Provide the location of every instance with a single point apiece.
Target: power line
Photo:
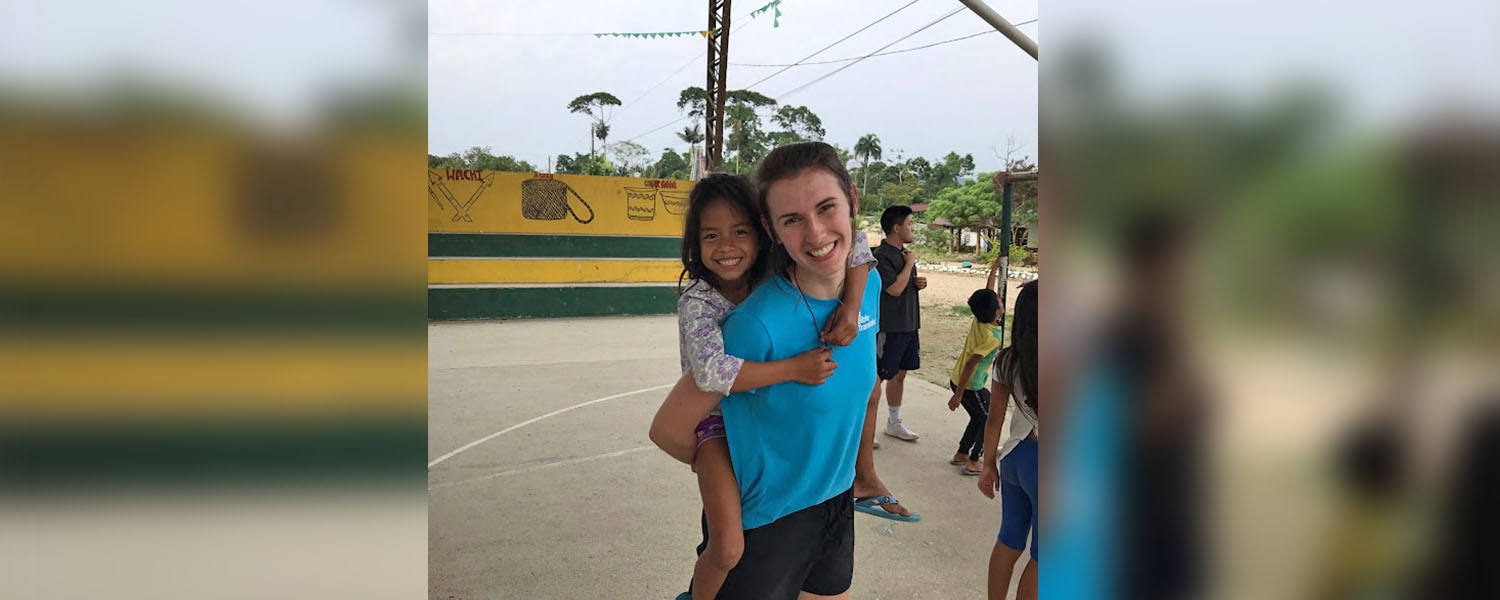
(763, 80)
(892, 13)
(504, 33)
(862, 58)
(839, 60)
(732, 30)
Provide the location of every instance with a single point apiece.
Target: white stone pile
(1014, 274)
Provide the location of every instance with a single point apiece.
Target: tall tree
(629, 154)
(950, 171)
(866, 148)
(671, 165)
(972, 205)
(594, 106)
(797, 124)
(693, 101)
(755, 99)
(743, 122)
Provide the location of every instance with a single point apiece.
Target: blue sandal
(871, 506)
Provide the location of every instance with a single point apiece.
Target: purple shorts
(707, 429)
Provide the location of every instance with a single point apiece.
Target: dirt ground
(943, 326)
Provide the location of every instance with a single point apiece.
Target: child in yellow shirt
(970, 375)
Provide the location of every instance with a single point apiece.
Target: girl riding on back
(724, 246)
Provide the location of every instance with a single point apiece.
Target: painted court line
(554, 413)
(543, 466)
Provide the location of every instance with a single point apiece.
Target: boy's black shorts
(897, 351)
(811, 550)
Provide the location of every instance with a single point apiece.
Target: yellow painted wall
(471, 201)
(576, 270)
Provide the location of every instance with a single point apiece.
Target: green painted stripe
(209, 452)
(557, 246)
(381, 312)
(445, 304)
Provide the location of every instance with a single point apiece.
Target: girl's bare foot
(959, 459)
(973, 468)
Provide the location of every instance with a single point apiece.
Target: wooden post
(718, 74)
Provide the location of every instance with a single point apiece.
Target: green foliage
(583, 164)
(948, 173)
(745, 138)
(671, 165)
(693, 101)
(970, 206)
(630, 155)
(891, 194)
(479, 158)
(1018, 255)
(867, 147)
(936, 239)
(601, 131)
(747, 97)
(1023, 193)
(798, 124)
(987, 257)
(593, 104)
(692, 135)
(844, 155)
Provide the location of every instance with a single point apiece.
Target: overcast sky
(510, 91)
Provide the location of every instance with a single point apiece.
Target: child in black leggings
(970, 376)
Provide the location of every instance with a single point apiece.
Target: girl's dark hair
(790, 161)
(735, 190)
(1023, 345)
(984, 304)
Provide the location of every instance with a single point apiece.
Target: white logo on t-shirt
(866, 322)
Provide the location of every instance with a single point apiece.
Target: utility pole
(718, 74)
(1001, 25)
(1004, 183)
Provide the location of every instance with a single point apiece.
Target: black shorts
(897, 351)
(811, 550)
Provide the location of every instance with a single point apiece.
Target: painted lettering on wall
(661, 184)
(465, 175)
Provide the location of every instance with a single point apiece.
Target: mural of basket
(674, 201)
(640, 203)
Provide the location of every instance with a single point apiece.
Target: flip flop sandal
(957, 462)
(968, 472)
(872, 504)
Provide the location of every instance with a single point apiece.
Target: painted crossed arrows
(435, 186)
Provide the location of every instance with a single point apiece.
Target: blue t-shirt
(793, 445)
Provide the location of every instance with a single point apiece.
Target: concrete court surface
(543, 484)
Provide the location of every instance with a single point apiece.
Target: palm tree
(739, 117)
(868, 146)
(691, 135)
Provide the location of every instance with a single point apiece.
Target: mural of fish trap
(531, 245)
